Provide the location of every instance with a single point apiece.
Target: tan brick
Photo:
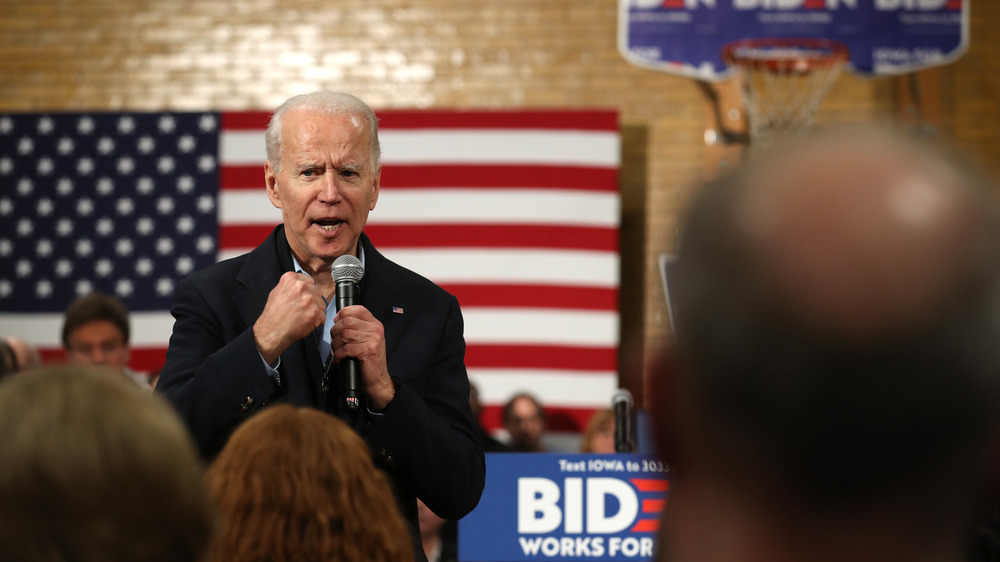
(252, 54)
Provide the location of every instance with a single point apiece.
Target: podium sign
(549, 506)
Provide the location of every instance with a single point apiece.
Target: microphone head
(348, 268)
(622, 395)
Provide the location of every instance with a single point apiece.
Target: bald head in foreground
(833, 389)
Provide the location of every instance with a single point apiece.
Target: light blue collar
(298, 266)
(323, 334)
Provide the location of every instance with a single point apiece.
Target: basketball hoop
(783, 81)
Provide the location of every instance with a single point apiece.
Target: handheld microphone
(347, 272)
(622, 404)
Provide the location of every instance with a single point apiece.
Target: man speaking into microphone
(263, 327)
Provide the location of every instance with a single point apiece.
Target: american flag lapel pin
(397, 309)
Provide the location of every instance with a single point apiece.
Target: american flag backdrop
(514, 212)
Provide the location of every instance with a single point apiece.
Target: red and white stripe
(516, 213)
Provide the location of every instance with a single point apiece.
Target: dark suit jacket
(426, 440)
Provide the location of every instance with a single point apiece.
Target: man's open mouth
(328, 225)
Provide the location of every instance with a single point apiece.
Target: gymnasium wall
(252, 54)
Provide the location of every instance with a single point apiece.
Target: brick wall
(252, 54)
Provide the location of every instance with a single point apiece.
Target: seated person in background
(299, 484)
(26, 356)
(96, 331)
(154, 377)
(524, 419)
(8, 363)
(440, 536)
(94, 469)
(490, 444)
(833, 392)
(599, 436)
(985, 543)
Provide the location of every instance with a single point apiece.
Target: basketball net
(783, 81)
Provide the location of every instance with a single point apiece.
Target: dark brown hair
(92, 307)
(508, 407)
(299, 484)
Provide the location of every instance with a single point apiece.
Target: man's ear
(376, 186)
(271, 183)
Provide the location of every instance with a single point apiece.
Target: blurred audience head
(490, 443)
(474, 403)
(154, 377)
(95, 469)
(430, 523)
(298, 484)
(599, 435)
(836, 334)
(25, 355)
(437, 535)
(8, 362)
(524, 419)
(96, 331)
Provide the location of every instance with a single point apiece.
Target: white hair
(325, 103)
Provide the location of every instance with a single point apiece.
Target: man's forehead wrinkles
(320, 160)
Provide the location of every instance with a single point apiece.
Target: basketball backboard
(884, 37)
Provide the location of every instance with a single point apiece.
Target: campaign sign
(883, 36)
(550, 506)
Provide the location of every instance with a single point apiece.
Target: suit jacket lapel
(379, 293)
(301, 367)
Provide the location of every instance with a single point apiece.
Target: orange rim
(782, 55)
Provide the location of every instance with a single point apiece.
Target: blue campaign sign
(550, 506)
(884, 37)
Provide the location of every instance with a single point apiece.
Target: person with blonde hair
(599, 435)
(93, 468)
(299, 484)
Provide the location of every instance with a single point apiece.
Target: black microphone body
(622, 404)
(348, 294)
(347, 272)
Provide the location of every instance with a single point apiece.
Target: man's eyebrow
(352, 165)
